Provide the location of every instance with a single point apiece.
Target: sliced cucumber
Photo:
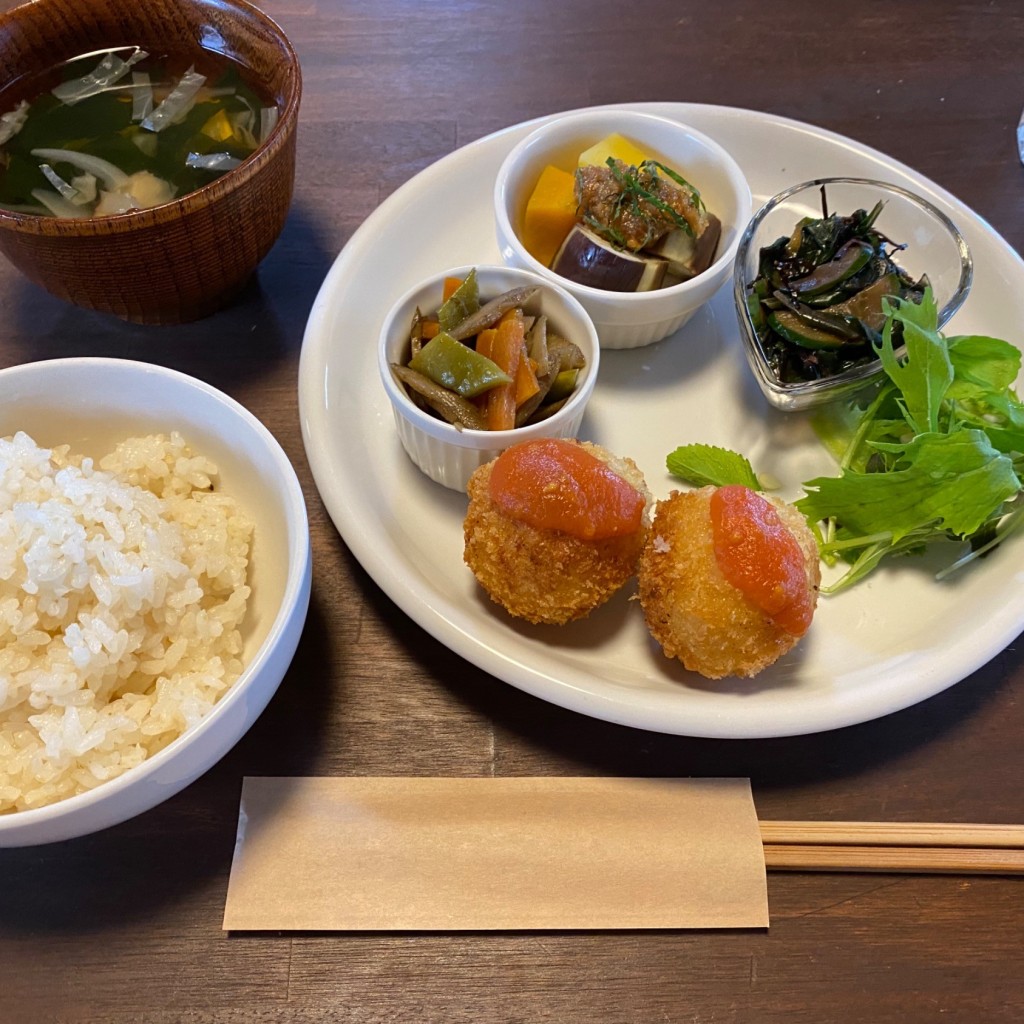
(848, 261)
(866, 305)
(796, 330)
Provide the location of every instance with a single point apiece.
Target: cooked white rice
(122, 589)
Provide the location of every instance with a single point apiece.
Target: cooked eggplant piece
(688, 256)
(587, 259)
(853, 257)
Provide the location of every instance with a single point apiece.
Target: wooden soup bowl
(184, 259)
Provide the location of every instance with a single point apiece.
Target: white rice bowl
(179, 608)
(122, 590)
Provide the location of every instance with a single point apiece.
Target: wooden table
(125, 925)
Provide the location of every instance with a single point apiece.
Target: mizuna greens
(936, 452)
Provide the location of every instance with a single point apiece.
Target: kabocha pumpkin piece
(550, 213)
(555, 528)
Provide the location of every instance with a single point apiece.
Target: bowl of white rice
(154, 582)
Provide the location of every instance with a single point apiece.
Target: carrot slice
(507, 350)
(451, 286)
(527, 384)
(429, 329)
(553, 484)
(759, 555)
(485, 341)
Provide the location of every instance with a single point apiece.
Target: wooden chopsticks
(901, 847)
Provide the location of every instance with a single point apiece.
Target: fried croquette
(693, 610)
(538, 572)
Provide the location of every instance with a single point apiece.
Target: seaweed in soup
(125, 129)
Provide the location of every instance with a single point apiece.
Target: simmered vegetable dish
(817, 303)
(619, 221)
(489, 366)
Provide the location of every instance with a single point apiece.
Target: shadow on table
(588, 745)
(247, 340)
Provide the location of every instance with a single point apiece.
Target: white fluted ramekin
(627, 319)
(447, 454)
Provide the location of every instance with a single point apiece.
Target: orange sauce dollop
(558, 485)
(759, 556)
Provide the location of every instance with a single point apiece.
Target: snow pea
(457, 367)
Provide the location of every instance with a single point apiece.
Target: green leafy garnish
(638, 186)
(947, 482)
(937, 453)
(678, 179)
(703, 464)
(924, 375)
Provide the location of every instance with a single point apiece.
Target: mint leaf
(703, 464)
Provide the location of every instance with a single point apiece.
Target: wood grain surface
(124, 926)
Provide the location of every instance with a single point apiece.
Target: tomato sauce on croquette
(552, 484)
(760, 557)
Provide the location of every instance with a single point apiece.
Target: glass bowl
(933, 246)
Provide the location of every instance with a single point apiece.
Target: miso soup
(123, 129)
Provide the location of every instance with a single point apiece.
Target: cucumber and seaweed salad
(933, 453)
(817, 301)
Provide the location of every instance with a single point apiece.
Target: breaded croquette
(728, 579)
(555, 528)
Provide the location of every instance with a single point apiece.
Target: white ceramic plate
(893, 640)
